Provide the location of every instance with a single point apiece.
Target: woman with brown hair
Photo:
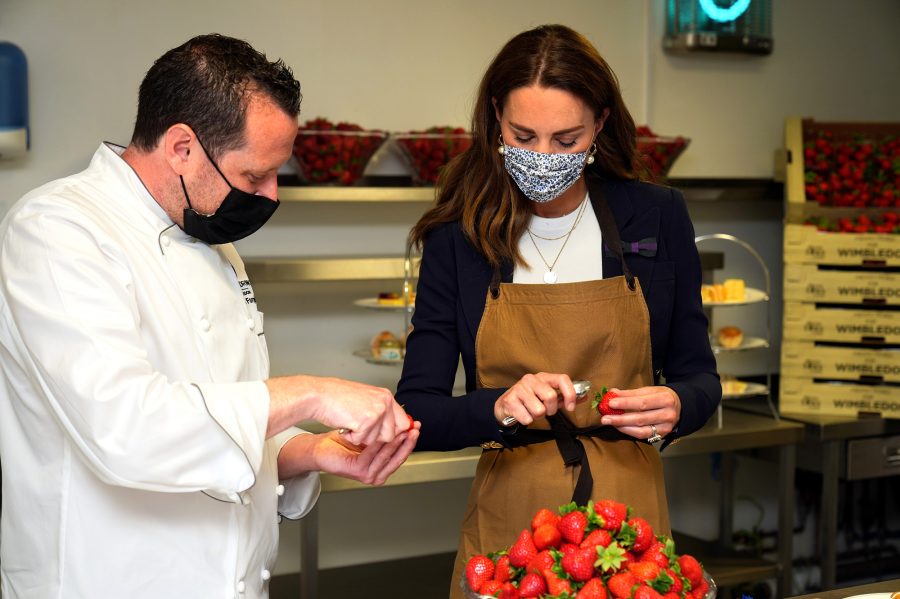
(545, 260)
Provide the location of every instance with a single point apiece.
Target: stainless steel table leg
(828, 523)
(309, 554)
(787, 462)
(726, 514)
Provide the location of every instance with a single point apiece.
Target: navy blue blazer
(450, 299)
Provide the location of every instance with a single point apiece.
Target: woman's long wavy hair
(475, 189)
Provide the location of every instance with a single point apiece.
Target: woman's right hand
(535, 396)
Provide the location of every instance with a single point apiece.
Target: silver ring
(655, 437)
(509, 421)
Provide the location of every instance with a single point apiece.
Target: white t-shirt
(580, 260)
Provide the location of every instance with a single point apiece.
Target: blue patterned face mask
(543, 177)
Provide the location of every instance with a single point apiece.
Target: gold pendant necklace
(549, 275)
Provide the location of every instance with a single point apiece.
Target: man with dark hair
(146, 452)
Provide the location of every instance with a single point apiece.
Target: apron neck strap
(608, 230)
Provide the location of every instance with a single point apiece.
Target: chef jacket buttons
(204, 324)
(266, 575)
(241, 586)
(279, 490)
(245, 498)
(251, 324)
(166, 241)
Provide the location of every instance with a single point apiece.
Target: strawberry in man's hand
(601, 403)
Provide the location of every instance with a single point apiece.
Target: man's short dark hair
(207, 83)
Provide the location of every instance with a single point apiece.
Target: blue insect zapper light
(737, 26)
(14, 137)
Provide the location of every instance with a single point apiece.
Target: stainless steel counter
(886, 586)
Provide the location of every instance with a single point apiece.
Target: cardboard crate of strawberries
(596, 551)
(855, 241)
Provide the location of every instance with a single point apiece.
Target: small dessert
(394, 299)
(731, 386)
(712, 293)
(386, 346)
(730, 337)
(734, 290)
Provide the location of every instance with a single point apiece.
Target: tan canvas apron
(595, 330)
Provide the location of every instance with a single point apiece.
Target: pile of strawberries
(857, 172)
(428, 151)
(657, 153)
(597, 551)
(334, 153)
(887, 222)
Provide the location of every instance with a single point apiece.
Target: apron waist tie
(570, 448)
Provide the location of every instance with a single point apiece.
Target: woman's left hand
(645, 406)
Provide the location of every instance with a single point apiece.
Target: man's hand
(331, 452)
(369, 414)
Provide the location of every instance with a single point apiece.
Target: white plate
(871, 596)
(367, 354)
(750, 390)
(372, 303)
(747, 343)
(751, 296)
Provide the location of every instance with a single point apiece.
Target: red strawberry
(691, 569)
(646, 592)
(412, 423)
(580, 564)
(555, 584)
(671, 595)
(601, 403)
(508, 591)
(543, 516)
(479, 569)
(568, 548)
(643, 534)
(677, 585)
(541, 562)
(523, 550)
(612, 512)
(699, 591)
(532, 585)
(620, 584)
(572, 526)
(490, 587)
(598, 537)
(592, 589)
(547, 535)
(502, 569)
(644, 571)
(657, 554)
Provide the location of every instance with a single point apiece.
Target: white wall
(399, 65)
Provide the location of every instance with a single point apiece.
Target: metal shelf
(355, 194)
(325, 268)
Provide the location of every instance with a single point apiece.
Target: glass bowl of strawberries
(599, 550)
(428, 151)
(334, 153)
(658, 153)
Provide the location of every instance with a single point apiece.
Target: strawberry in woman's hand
(601, 403)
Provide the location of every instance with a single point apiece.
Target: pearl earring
(502, 148)
(590, 158)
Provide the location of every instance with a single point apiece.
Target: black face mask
(239, 215)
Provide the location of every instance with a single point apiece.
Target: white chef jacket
(132, 408)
